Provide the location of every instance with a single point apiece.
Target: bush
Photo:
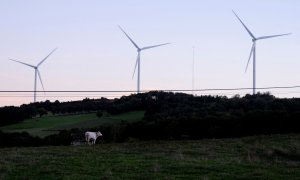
(99, 114)
(63, 138)
(18, 140)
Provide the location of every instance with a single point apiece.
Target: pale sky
(93, 54)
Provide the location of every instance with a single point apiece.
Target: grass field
(52, 124)
(259, 157)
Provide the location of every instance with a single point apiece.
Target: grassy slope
(262, 157)
(50, 124)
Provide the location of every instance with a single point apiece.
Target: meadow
(255, 157)
(48, 125)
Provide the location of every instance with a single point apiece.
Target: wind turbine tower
(253, 49)
(138, 60)
(36, 72)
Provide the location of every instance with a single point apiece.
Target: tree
(42, 111)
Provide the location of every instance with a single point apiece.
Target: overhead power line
(168, 90)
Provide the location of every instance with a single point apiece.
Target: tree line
(12, 114)
(183, 116)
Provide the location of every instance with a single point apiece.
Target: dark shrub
(18, 140)
(63, 138)
(99, 114)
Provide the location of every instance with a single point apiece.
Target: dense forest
(178, 115)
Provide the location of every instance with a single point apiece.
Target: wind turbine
(36, 72)
(138, 63)
(253, 49)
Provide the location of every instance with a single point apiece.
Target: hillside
(169, 115)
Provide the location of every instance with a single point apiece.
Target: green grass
(132, 116)
(52, 124)
(258, 157)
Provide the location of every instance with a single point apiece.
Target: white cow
(92, 136)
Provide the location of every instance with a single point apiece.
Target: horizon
(133, 93)
(94, 55)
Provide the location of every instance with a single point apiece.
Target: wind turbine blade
(251, 52)
(129, 38)
(40, 77)
(23, 63)
(266, 37)
(244, 25)
(137, 60)
(46, 57)
(149, 47)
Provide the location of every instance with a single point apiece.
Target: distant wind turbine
(36, 72)
(253, 49)
(137, 63)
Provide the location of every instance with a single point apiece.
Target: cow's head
(98, 134)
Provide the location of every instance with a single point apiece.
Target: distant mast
(193, 70)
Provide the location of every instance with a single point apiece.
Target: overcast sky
(93, 54)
